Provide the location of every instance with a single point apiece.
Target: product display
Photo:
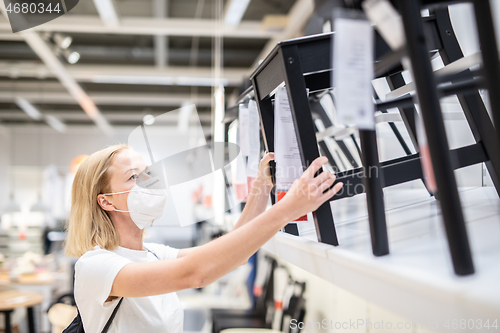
(156, 162)
(305, 63)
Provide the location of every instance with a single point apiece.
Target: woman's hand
(306, 193)
(265, 171)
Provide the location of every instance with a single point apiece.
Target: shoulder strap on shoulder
(152, 253)
(110, 320)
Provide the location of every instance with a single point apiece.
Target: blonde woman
(105, 230)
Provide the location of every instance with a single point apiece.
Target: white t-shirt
(95, 272)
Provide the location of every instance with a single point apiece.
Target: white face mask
(145, 204)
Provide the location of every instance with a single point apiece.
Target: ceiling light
(56, 123)
(63, 41)
(148, 119)
(29, 108)
(157, 80)
(12, 206)
(71, 56)
(234, 11)
(40, 207)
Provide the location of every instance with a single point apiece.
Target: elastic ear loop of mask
(136, 191)
(129, 211)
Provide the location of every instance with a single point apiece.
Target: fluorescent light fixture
(157, 80)
(40, 207)
(199, 81)
(234, 11)
(107, 12)
(129, 79)
(12, 206)
(29, 108)
(56, 123)
(71, 56)
(63, 41)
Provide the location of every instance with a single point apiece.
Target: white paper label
(253, 139)
(286, 149)
(243, 118)
(353, 72)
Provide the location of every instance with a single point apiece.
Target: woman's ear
(105, 204)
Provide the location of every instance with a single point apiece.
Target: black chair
(255, 317)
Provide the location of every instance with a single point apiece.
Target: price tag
(253, 140)
(286, 149)
(353, 69)
(238, 172)
(243, 119)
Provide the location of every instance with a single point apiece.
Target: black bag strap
(110, 320)
(152, 253)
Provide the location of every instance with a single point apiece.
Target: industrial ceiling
(146, 57)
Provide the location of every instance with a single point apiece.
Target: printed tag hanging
(353, 69)
(254, 143)
(286, 149)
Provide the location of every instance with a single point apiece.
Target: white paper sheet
(286, 150)
(243, 120)
(253, 139)
(238, 167)
(353, 64)
(238, 173)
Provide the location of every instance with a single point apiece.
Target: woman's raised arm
(207, 263)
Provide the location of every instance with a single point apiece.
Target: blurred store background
(86, 80)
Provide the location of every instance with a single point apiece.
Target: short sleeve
(95, 273)
(162, 251)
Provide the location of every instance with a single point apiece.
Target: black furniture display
(255, 317)
(305, 63)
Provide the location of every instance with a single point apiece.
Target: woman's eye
(133, 177)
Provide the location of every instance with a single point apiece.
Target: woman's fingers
(264, 162)
(326, 184)
(268, 157)
(315, 165)
(322, 177)
(331, 192)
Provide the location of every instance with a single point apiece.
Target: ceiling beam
(160, 9)
(298, 17)
(122, 116)
(44, 52)
(126, 74)
(9, 36)
(150, 26)
(139, 99)
(76, 92)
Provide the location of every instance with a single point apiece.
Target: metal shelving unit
(305, 63)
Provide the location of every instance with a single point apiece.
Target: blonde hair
(90, 225)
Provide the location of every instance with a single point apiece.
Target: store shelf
(416, 279)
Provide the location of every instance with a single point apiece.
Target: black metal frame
(436, 135)
(286, 64)
(471, 103)
(305, 63)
